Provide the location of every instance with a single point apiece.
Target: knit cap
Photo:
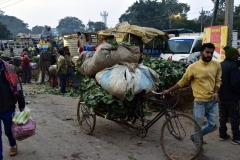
(230, 51)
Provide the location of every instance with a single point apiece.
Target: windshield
(178, 46)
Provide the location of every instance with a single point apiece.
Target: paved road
(57, 138)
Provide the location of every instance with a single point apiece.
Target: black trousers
(229, 109)
(27, 75)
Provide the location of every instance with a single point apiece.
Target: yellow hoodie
(203, 76)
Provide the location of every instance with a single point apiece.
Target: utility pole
(170, 23)
(169, 16)
(216, 5)
(201, 13)
(229, 19)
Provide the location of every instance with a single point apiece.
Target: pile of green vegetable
(46, 89)
(99, 100)
(96, 98)
(170, 72)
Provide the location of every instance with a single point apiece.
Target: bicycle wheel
(86, 120)
(177, 138)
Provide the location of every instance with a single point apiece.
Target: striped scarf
(12, 77)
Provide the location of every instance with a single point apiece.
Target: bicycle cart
(180, 137)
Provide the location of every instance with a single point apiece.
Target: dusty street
(58, 136)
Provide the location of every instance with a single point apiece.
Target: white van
(184, 49)
(179, 48)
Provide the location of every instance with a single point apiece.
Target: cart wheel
(178, 138)
(86, 120)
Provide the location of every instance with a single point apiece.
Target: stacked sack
(133, 77)
(105, 57)
(117, 70)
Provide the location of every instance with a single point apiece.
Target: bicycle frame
(165, 112)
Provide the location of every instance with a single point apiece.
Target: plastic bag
(46, 78)
(21, 132)
(133, 77)
(21, 117)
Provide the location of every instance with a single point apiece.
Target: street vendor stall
(151, 40)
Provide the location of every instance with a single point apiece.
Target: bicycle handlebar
(159, 93)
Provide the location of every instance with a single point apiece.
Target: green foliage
(69, 25)
(95, 26)
(98, 100)
(15, 25)
(170, 72)
(152, 13)
(236, 21)
(4, 32)
(37, 29)
(221, 7)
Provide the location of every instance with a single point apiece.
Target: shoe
(224, 138)
(235, 142)
(13, 151)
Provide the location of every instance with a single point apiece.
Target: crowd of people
(216, 86)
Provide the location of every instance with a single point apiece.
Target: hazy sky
(49, 12)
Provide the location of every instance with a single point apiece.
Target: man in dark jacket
(10, 93)
(44, 64)
(229, 94)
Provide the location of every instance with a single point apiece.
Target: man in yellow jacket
(205, 79)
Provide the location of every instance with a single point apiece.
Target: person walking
(229, 94)
(10, 93)
(205, 78)
(70, 71)
(62, 67)
(44, 64)
(26, 68)
(79, 37)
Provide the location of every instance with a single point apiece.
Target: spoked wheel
(178, 140)
(86, 120)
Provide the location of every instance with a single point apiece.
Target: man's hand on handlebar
(166, 92)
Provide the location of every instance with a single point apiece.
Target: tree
(221, 7)
(4, 32)
(236, 22)
(37, 29)
(151, 13)
(69, 25)
(15, 25)
(1, 13)
(95, 26)
(189, 24)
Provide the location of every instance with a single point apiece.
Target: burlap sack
(105, 58)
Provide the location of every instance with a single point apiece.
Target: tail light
(170, 58)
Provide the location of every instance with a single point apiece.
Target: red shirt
(25, 59)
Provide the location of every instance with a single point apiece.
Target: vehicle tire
(177, 140)
(86, 120)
